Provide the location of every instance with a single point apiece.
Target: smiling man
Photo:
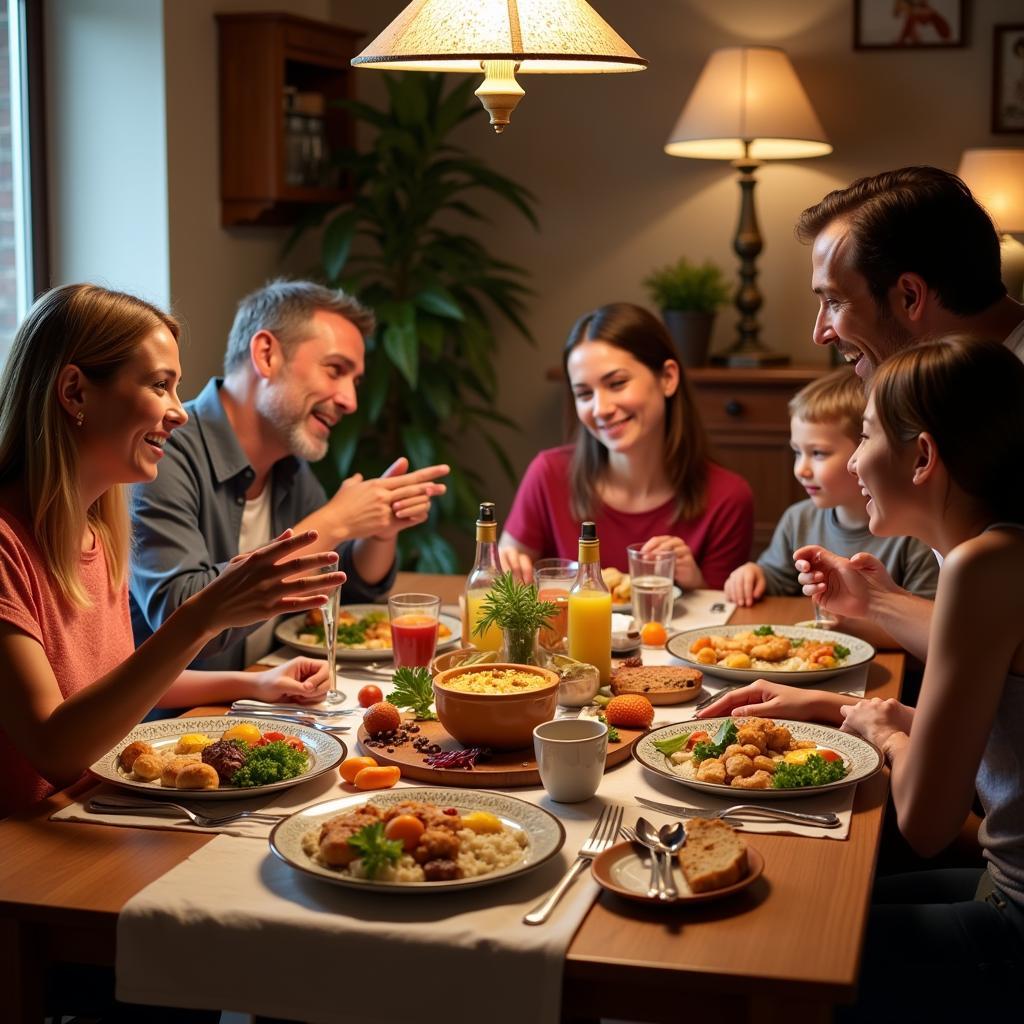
(902, 257)
(238, 474)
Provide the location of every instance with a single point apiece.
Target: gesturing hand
(846, 586)
(271, 580)
(688, 574)
(384, 505)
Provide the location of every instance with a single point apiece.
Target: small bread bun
(131, 752)
(198, 776)
(173, 765)
(148, 767)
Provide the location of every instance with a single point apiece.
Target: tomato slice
(294, 742)
(273, 737)
(700, 736)
(827, 755)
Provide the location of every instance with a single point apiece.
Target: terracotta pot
(501, 721)
(691, 334)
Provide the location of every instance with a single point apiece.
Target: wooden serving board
(503, 768)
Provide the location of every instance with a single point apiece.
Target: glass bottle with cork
(486, 569)
(590, 608)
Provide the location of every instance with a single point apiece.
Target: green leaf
(342, 447)
(401, 345)
(440, 302)
(417, 444)
(337, 242)
(373, 392)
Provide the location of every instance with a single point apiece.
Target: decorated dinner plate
(324, 750)
(861, 758)
(544, 832)
(626, 607)
(623, 870)
(861, 652)
(292, 632)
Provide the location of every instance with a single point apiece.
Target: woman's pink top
(542, 520)
(81, 644)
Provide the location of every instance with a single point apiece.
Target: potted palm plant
(688, 296)
(437, 290)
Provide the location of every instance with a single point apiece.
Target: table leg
(21, 972)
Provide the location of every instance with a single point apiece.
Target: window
(17, 252)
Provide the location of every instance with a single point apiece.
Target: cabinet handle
(733, 408)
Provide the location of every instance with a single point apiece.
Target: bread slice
(660, 684)
(714, 855)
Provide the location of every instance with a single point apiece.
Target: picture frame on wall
(1008, 78)
(908, 24)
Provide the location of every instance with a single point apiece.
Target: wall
(613, 205)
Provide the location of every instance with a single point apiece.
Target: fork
(112, 806)
(297, 718)
(256, 707)
(603, 834)
(751, 812)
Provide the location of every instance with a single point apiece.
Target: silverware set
(663, 844)
(294, 717)
(112, 805)
(745, 812)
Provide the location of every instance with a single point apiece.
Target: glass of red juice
(414, 620)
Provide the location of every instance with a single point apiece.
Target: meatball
(336, 832)
(225, 757)
(442, 870)
(436, 844)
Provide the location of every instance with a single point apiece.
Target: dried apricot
(629, 710)
(383, 777)
(245, 732)
(353, 766)
(381, 717)
(653, 634)
(407, 828)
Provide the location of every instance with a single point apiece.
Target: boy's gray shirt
(911, 564)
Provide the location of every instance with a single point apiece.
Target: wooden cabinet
(746, 416)
(262, 56)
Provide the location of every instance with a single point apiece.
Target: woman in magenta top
(87, 399)
(639, 467)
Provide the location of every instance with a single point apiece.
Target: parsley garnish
(272, 763)
(715, 748)
(376, 851)
(841, 651)
(613, 733)
(764, 631)
(413, 690)
(815, 772)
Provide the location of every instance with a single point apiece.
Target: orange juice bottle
(486, 569)
(590, 609)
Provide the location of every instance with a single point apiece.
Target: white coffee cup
(571, 757)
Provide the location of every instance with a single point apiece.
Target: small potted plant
(688, 295)
(515, 608)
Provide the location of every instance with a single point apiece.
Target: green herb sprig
(376, 851)
(413, 690)
(512, 604)
(816, 771)
(272, 763)
(715, 748)
(613, 733)
(764, 631)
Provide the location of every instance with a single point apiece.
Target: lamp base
(749, 358)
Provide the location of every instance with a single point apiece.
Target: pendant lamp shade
(500, 38)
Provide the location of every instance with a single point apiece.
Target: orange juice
(552, 636)
(490, 640)
(590, 630)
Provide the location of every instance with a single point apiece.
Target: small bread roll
(198, 776)
(148, 767)
(131, 752)
(172, 766)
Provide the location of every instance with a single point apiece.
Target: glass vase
(519, 647)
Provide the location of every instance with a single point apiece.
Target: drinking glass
(414, 623)
(651, 579)
(330, 616)
(823, 618)
(553, 583)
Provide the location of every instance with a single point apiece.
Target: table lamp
(996, 177)
(500, 38)
(748, 106)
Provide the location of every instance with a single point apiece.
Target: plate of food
(364, 633)
(715, 862)
(783, 654)
(418, 840)
(621, 588)
(757, 757)
(218, 757)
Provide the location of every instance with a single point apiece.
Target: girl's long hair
(969, 395)
(643, 336)
(98, 331)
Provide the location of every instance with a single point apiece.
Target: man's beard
(289, 421)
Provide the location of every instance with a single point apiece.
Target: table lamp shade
(748, 95)
(541, 36)
(996, 177)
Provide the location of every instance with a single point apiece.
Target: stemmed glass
(330, 617)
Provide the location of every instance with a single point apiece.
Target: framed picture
(1008, 79)
(907, 24)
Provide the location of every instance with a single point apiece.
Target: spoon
(671, 839)
(648, 835)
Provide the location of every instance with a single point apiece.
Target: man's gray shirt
(910, 563)
(186, 523)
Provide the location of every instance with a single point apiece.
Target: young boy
(824, 430)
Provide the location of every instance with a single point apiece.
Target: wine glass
(330, 616)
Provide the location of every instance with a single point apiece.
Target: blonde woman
(87, 399)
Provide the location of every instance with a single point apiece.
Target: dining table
(786, 948)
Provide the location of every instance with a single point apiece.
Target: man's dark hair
(919, 220)
(285, 308)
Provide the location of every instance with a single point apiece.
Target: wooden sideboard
(746, 416)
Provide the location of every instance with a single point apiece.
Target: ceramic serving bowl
(501, 721)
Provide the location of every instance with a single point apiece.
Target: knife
(253, 706)
(752, 812)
